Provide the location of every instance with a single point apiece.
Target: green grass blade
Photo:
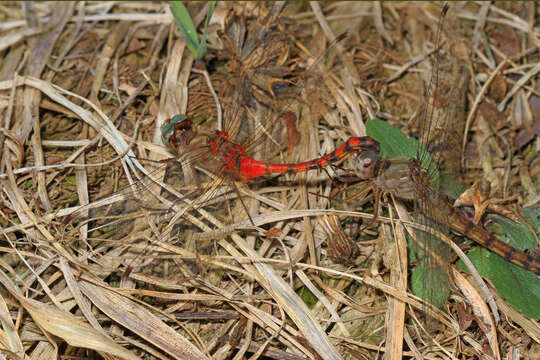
(202, 48)
(183, 20)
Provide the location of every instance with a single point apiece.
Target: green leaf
(70, 181)
(185, 24)
(450, 187)
(514, 234)
(393, 142)
(533, 216)
(431, 283)
(429, 280)
(183, 20)
(518, 286)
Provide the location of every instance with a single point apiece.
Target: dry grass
(84, 88)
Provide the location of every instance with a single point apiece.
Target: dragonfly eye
(176, 131)
(364, 164)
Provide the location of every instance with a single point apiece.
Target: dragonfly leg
(243, 204)
(377, 193)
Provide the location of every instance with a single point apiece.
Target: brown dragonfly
(417, 178)
(407, 179)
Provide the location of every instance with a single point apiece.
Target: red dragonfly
(223, 159)
(236, 161)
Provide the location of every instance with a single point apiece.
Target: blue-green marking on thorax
(167, 127)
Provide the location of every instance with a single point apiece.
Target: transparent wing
(442, 116)
(441, 123)
(265, 91)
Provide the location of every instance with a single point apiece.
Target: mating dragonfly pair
(225, 158)
(404, 178)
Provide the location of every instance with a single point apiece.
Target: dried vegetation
(84, 88)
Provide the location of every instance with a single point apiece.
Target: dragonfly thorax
(227, 151)
(394, 176)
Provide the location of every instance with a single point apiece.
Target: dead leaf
(481, 310)
(507, 39)
(293, 136)
(490, 113)
(65, 325)
(464, 316)
(497, 88)
(127, 88)
(134, 45)
(273, 233)
(479, 197)
(142, 322)
(522, 116)
(341, 248)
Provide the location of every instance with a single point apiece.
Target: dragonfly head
(177, 132)
(365, 163)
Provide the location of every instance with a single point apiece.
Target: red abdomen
(251, 168)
